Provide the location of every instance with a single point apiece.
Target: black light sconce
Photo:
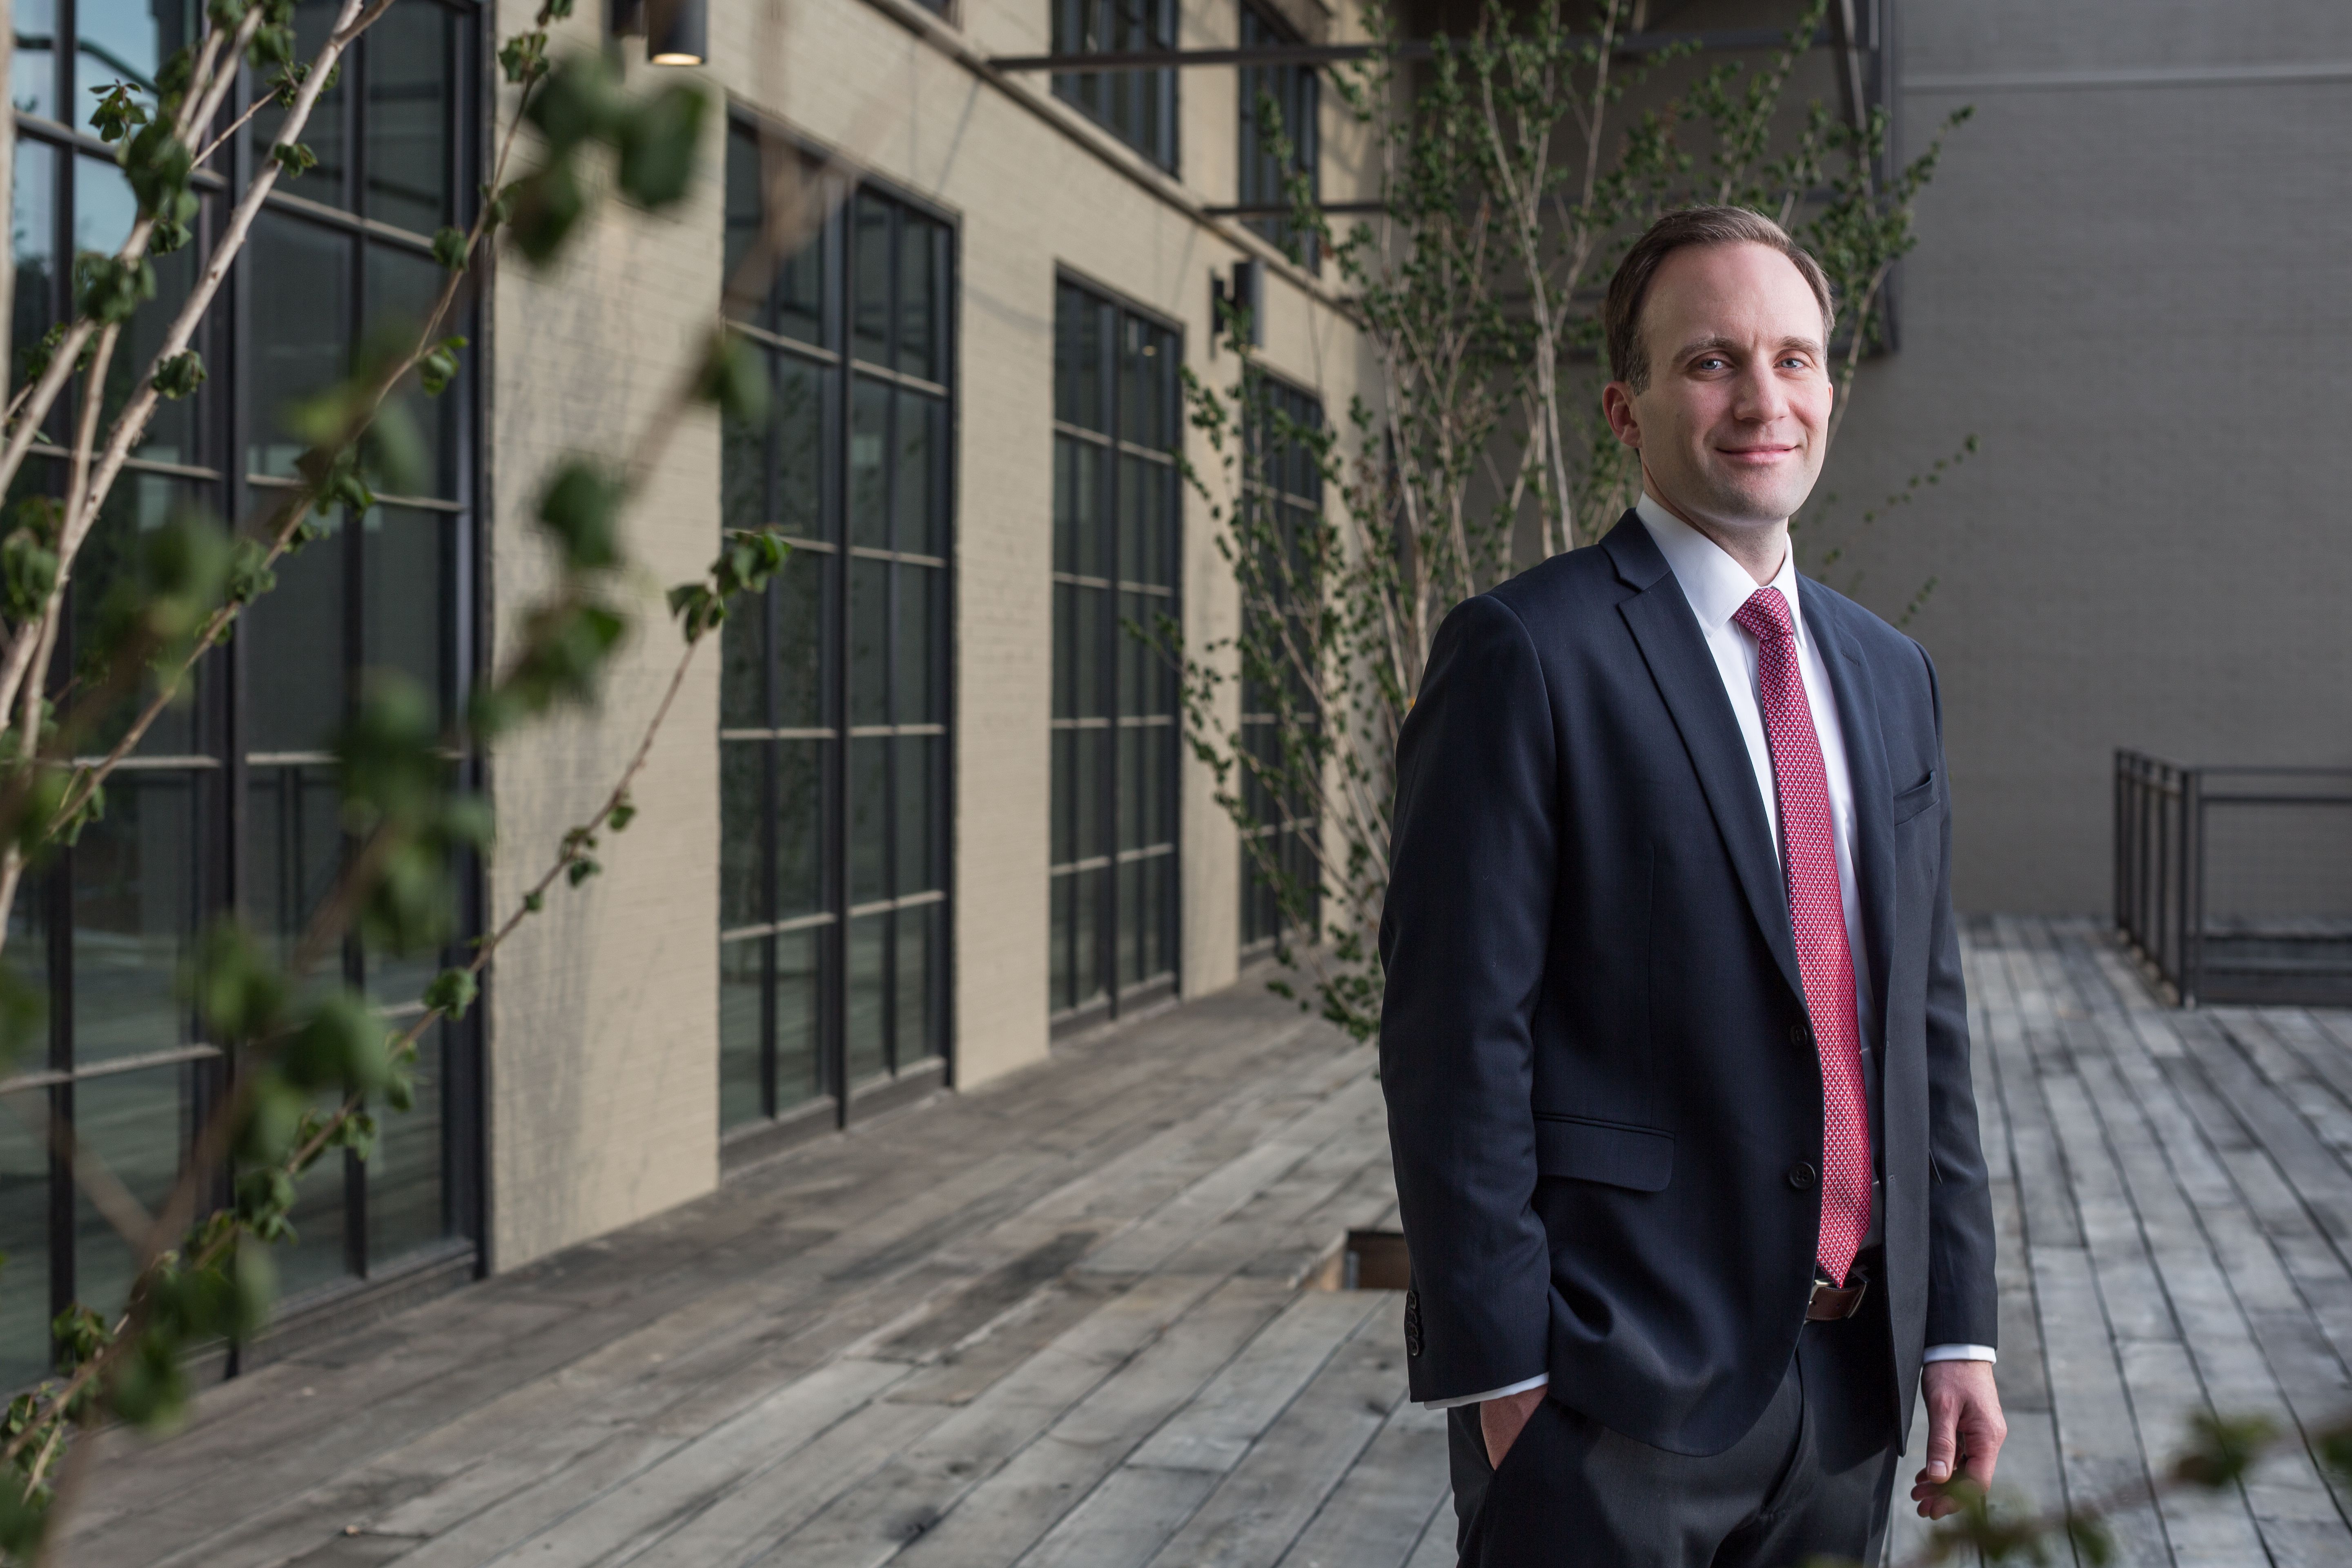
(676, 32)
(1244, 297)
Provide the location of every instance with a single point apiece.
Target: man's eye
(1712, 362)
(1797, 360)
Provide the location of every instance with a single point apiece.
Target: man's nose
(1757, 395)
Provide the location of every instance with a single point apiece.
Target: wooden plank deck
(1064, 1320)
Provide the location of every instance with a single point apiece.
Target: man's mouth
(1756, 457)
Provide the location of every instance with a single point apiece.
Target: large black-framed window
(1294, 92)
(833, 722)
(1283, 483)
(1118, 512)
(1138, 107)
(229, 803)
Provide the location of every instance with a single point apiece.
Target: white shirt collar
(1715, 583)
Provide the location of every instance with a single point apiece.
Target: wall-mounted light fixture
(678, 32)
(1243, 298)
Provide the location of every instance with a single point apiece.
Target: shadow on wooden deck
(1062, 1321)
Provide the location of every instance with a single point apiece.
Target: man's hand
(1501, 1420)
(1964, 1429)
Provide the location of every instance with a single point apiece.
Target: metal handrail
(2160, 844)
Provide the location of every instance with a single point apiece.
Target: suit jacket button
(1801, 1175)
(1799, 1035)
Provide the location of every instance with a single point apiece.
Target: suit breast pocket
(1910, 803)
(1584, 1150)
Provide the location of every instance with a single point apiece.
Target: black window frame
(1297, 91)
(216, 755)
(835, 1095)
(1121, 705)
(1296, 486)
(1142, 108)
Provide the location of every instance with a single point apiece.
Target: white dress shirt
(1716, 587)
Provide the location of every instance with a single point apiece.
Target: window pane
(1132, 892)
(137, 506)
(742, 787)
(744, 200)
(33, 231)
(320, 1252)
(123, 40)
(402, 289)
(743, 461)
(25, 1238)
(922, 636)
(921, 862)
(33, 69)
(1093, 758)
(1063, 940)
(918, 1032)
(919, 337)
(800, 827)
(870, 820)
(867, 996)
(408, 120)
(869, 478)
(870, 305)
(134, 891)
(1077, 355)
(405, 572)
(1088, 555)
(1066, 797)
(742, 971)
(406, 1206)
(869, 632)
(915, 492)
(104, 211)
(138, 1124)
(798, 432)
(742, 664)
(800, 294)
(294, 825)
(323, 131)
(294, 640)
(800, 1063)
(1087, 983)
(799, 667)
(299, 344)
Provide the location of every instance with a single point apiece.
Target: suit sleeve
(1464, 936)
(1961, 1294)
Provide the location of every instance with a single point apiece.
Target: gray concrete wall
(2133, 284)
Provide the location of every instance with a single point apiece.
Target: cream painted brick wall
(604, 1010)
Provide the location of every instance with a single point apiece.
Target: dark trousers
(1812, 1476)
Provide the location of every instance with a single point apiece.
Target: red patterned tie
(1809, 859)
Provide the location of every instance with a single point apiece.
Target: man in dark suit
(1675, 1043)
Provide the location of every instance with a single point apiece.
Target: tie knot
(1764, 616)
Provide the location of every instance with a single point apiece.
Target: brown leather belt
(1828, 1302)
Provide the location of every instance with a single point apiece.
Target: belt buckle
(1852, 1294)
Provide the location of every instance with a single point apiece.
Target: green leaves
(238, 993)
(580, 102)
(438, 367)
(2221, 1449)
(120, 111)
(581, 508)
(657, 145)
(523, 57)
(543, 207)
(108, 290)
(181, 375)
(734, 377)
(28, 557)
(449, 248)
(294, 157)
(452, 992)
(753, 556)
(340, 1047)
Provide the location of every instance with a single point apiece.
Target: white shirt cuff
(1959, 1352)
(1541, 1379)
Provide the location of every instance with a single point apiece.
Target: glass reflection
(138, 1124)
(295, 647)
(323, 131)
(104, 211)
(134, 900)
(403, 607)
(406, 1206)
(33, 68)
(408, 121)
(300, 345)
(25, 1238)
(742, 971)
(296, 846)
(125, 40)
(138, 505)
(800, 827)
(401, 290)
(867, 1052)
(742, 785)
(33, 240)
(800, 1061)
(912, 1031)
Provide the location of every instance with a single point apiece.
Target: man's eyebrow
(1721, 344)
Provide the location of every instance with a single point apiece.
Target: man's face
(1732, 426)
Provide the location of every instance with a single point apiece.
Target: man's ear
(1617, 406)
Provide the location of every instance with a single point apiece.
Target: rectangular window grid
(1295, 92)
(833, 734)
(1117, 505)
(1138, 107)
(1282, 476)
(229, 803)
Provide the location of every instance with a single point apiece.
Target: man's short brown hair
(1621, 313)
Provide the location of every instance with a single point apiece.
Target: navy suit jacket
(1604, 1110)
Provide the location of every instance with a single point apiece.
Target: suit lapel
(1667, 633)
(1874, 790)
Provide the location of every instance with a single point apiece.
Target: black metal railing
(2235, 884)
